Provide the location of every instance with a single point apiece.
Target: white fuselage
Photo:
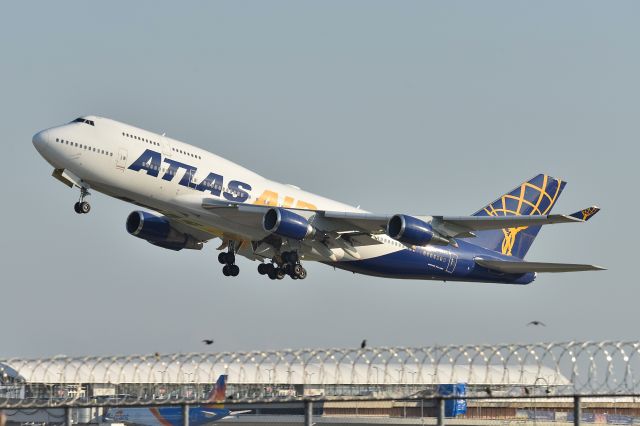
(99, 156)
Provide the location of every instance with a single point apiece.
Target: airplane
(193, 196)
(172, 415)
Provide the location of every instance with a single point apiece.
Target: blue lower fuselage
(441, 263)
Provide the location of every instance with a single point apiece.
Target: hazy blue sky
(414, 107)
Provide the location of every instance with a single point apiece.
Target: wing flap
(521, 267)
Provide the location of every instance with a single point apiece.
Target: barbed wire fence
(543, 370)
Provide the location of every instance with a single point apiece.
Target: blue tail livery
(537, 196)
(172, 415)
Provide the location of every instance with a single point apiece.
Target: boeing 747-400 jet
(194, 196)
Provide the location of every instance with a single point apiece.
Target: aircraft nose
(40, 140)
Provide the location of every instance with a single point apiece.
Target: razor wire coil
(500, 371)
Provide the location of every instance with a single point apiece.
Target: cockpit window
(83, 120)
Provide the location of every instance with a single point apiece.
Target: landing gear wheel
(263, 268)
(280, 274)
(226, 270)
(302, 274)
(297, 269)
(85, 207)
(272, 274)
(76, 207)
(234, 270)
(222, 258)
(287, 268)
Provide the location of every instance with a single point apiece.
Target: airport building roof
(185, 371)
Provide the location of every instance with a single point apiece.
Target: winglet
(586, 214)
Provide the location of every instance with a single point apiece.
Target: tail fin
(534, 197)
(219, 391)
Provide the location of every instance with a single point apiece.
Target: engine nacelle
(409, 230)
(158, 231)
(287, 224)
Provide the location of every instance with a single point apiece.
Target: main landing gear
(228, 259)
(289, 265)
(82, 207)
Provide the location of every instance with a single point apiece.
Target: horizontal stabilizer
(586, 214)
(509, 267)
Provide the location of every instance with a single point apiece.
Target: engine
(287, 224)
(409, 230)
(158, 231)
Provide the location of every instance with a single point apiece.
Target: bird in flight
(363, 344)
(537, 323)
(208, 341)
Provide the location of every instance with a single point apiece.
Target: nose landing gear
(82, 207)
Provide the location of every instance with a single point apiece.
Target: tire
(297, 269)
(294, 277)
(235, 270)
(85, 207)
(230, 258)
(272, 274)
(225, 270)
(280, 274)
(221, 258)
(262, 268)
(76, 208)
(303, 274)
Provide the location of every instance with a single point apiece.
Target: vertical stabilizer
(219, 391)
(536, 196)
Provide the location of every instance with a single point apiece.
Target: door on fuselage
(121, 161)
(453, 261)
(166, 146)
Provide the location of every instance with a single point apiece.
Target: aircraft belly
(428, 263)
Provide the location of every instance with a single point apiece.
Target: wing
(521, 267)
(366, 224)
(458, 226)
(235, 413)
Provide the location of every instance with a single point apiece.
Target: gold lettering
(268, 198)
(288, 202)
(305, 205)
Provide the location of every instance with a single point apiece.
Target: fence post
(185, 414)
(308, 413)
(577, 410)
(68, 416)
(440, 402)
